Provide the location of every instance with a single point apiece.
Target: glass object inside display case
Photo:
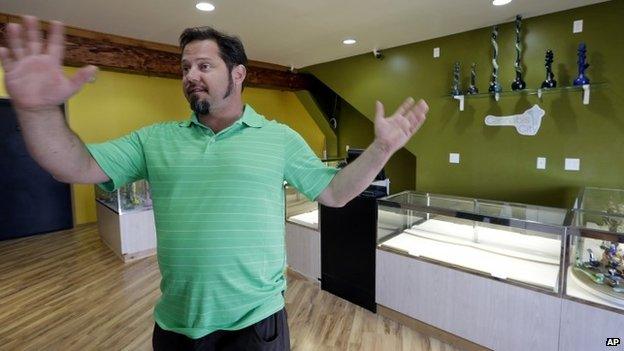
(596, 267)
(336, 162)
(129, 198)
(513, 242)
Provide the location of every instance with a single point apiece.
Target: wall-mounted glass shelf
(539, 92)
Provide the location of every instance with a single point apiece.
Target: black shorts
(269, 334)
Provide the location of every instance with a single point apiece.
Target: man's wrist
(35, 110)
(381, 149)
(25, 115)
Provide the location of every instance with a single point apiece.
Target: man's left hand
(394, 132)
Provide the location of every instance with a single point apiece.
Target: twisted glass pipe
(518, 47)
(456, 90)
(494, 86)
(518, 83)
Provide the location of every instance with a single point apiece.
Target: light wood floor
(68, 291)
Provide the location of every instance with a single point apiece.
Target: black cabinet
(348, 244)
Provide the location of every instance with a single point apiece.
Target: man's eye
(205, 66)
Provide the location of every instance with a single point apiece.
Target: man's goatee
(200, 107)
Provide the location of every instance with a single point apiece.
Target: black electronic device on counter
(348, 244)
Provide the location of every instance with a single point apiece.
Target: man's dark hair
(231, 48)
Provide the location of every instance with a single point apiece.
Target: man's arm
(56, 148)
(391, 134)
(36, 83)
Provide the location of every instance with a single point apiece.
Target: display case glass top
(131, 197)
(517, 243)
(489, 211)
(595, 271)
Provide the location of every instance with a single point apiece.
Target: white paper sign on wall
(527, 123)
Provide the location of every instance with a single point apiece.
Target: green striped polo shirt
(219, 209)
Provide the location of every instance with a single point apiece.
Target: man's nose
(192, 75)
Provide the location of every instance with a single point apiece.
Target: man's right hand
(34, 79)
(34, 76)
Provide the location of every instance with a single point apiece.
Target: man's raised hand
(33, 74)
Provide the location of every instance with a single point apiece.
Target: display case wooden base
(303, 250)
(587, 327)
(487, 312)
(131, 235)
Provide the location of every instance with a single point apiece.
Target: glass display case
(126, 220)
(518, 243)
(129, 198)
(595, 264)
(300, 209)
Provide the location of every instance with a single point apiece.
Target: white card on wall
(572, 164)
(577, 27)
(453, 157)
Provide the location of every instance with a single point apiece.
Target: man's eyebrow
(199, 59)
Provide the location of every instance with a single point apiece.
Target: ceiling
(293, 33)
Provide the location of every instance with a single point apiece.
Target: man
(216, 182)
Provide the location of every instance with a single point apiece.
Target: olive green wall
(357, 131)
(306, 99)
(497, 162)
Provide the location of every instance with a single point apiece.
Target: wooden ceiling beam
(121, 54)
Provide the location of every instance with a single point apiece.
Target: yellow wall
(118, 103)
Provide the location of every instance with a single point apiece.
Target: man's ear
(238, 74)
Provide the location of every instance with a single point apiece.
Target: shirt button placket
(210, 141)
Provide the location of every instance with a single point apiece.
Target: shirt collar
(250, 118)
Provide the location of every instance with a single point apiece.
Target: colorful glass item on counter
(592, 259)
(609, 271)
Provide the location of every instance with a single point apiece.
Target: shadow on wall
(598, 95)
